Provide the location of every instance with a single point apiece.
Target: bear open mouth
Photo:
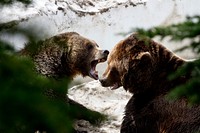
(93, 73)
(115, 86)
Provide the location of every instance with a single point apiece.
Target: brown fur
(142, 67)
(67, 55)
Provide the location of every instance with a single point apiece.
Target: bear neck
(167, 64)
(53, 62)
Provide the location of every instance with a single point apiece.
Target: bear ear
(144, 56)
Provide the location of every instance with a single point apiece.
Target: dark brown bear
(67, 55)
(142, 67)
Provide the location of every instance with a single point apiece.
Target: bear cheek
(107, 79)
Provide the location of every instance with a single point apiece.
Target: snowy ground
(104, 100)
(64, 14)
(99, 20)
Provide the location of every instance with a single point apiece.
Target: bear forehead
(124, 50)
(114, 56)
(82, 40)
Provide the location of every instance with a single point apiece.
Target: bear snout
(101, 55)
(105, 52)
(103, 82)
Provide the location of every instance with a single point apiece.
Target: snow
(100, 20)
(95, 6)
(104, 100)
(18, 11)
(90, 94)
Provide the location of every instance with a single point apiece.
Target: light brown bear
(67, 55)
(142, 67)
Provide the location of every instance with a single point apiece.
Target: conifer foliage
(24, 107)
(189, 29)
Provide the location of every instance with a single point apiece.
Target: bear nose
(106, 52)
(102, 81)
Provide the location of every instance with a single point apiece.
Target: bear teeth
(101, 60)
(115, 86)
(94, 74)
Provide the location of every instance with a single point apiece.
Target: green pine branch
(189, 29)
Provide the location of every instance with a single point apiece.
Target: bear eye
(89, 46)
(113, 69)
(114, 72)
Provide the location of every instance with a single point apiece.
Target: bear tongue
(93, 74)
